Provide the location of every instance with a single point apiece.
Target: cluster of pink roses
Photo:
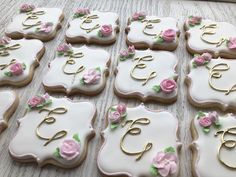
(194, 20)
(4, 41)
(39, 101)
(125, 54)
(168, 35)
(79, 12)
(232, 43)
(105, 31)
(45, 27)
(206, 121)
(15, 69)
(27, 7)
(92, 76)
(116, 115)
(166, 86)
(200, 60)
(138, 16)
(64, 48)
(164, 163)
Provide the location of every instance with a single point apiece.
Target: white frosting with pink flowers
(161, 132)
(76, 121)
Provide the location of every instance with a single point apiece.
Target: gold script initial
(32, 16)
(4, 51)
(149, 25)
(134, 130)
(229, 144)
(87, 20)
(140, 65)
(49, 119)
(4, 66)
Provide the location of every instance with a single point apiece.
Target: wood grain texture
(182, 109)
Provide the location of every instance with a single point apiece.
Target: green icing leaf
(60, 53)
(57, 153)
(23, 66)
(112, 109)
(169, 149)
(76, 137)
(9, 74)
(200, 114)
(156, 88)
(217, 125)
(98, 69)
(196, 55)
(159, 40)
(206, 129)
(154, 171)
(82, 81)
(123, 58)
(114, 126)
(194, 65)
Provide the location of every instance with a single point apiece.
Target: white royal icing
(207, 145)
(136, 35)
(201, 92)
(92, 58)
(51, 15)
(77, 120)
(7, 100)
(224, 29)
(161, 132)
(27, 54)
(164, 64)
(105, 18)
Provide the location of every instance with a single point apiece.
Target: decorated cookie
(18, 60)
(74, 70)
(213, 147)
(37, 23)
(8, 104)
(92, 27)
(152, 32)
(212, 82)
(146, 75)
(53, 131)
(141, 142)
(217, 38)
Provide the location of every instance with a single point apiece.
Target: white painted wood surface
(182, 109)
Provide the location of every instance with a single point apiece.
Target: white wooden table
(182, 109)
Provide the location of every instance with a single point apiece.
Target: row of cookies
(147, 140)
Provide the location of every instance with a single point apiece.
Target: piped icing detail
(15, 68)
(138, 16)
(168, 35)
(127, 54)
(232, 43)
(194, 20)
(45, 27)
(116, 115)
(166, 86)
(80, 12)
(39, 101)
(201, 60)
(24, 8)
(105, 31)
(92, 76)
(64, 49)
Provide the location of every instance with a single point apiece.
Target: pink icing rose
(5, 40)
(199, 60)
(124, 53)
(106, 30)
(232, 43)
(207, 56)
(168, 35)
(46, 27)
(92, 76)
(214, 117)
(69, 149)
(139, 16)
(121, 108)
(16, 69)
(168, 85)
(166, 163)
(205, 122)
(82, 11)
(114, 117)
(35, 101)
(194, 20)
(64, 47)
(131, 49)
(27, 7)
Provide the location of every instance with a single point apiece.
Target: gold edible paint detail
(4, 51)
(32, 16)
(4, 66)
(49, 119)
(149, 25)
(87, 20)
(211, 30)
(140, 65)
(71, 61)
(229, 144)
(134, 130)
(215, 73)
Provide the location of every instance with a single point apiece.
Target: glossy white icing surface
(77, 119)
(161, 132)
(207, 163)
(163, 64)
(7, 98)
(201, 92)
(136, 34)
(51, 15)
(92, 58)
(105, 18)
(224, 29)
(27, 54)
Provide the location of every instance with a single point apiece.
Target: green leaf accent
(169, 150)
(60, 53)
(57, 153)
(159, 40)
(114, 126)
(206, 129)
(196, 55)
(200, 114)
(154, 171)
(98, 69)
(82, 81)
(156, 88)
(100, 34)
(123, 58)
(23, 66)
(217, 125)
(9, 74)
(76, 137)
(112, 109)
(194, 65)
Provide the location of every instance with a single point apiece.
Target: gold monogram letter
(89, 19)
